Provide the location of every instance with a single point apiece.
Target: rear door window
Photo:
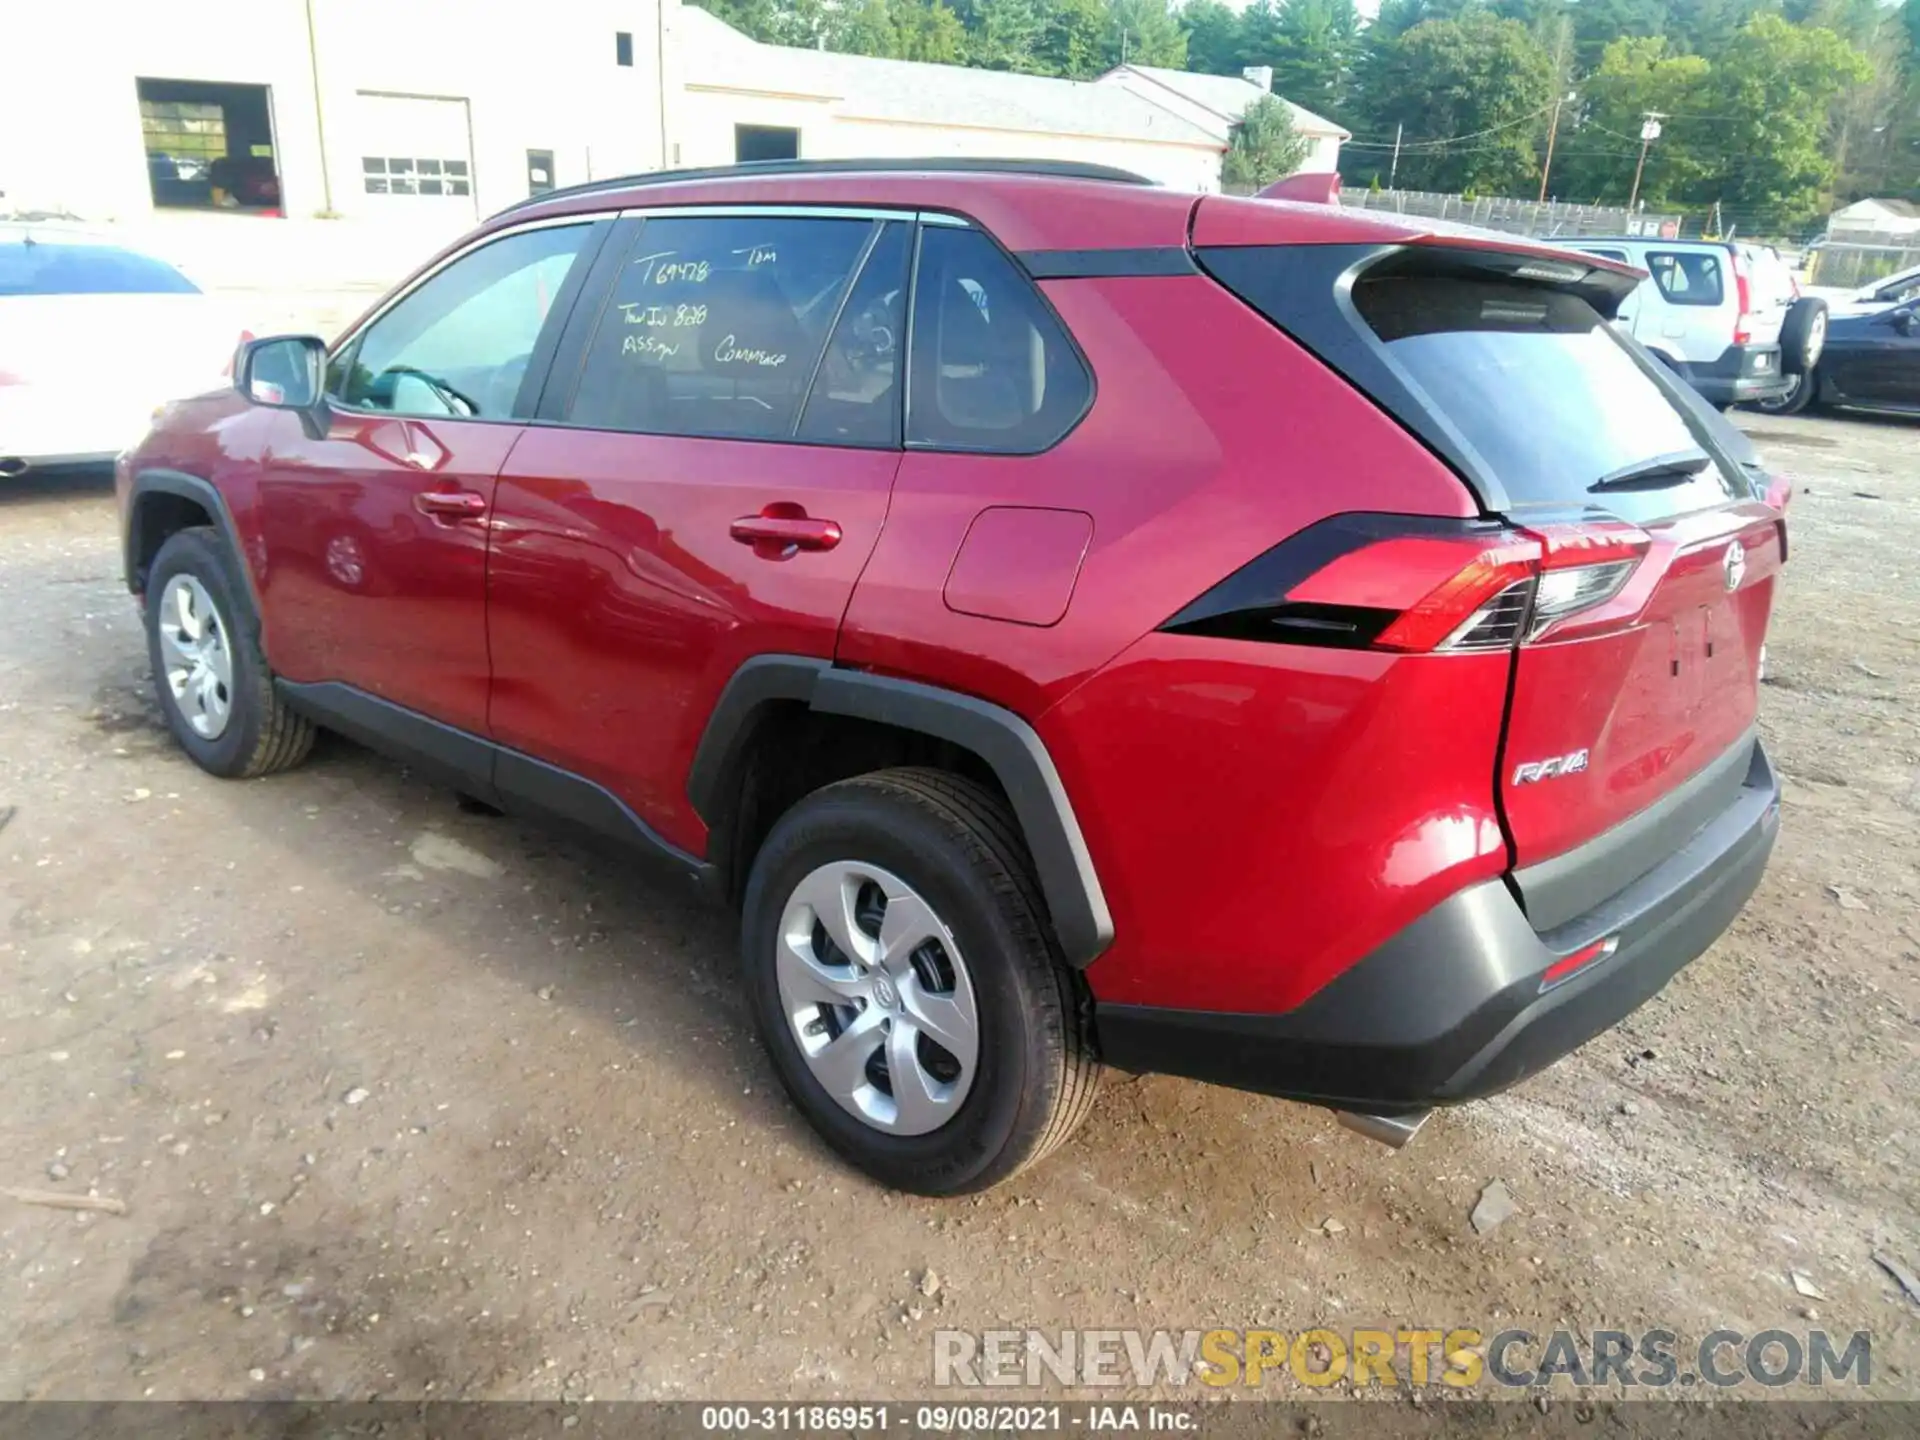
(1688, 277)
(716, 325)
(1543, 393)
(39, 267)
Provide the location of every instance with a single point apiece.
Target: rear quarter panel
(1258, 814)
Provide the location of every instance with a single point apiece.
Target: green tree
(928, 30)
(1213, 37)
(1471, 95)
(1265, 146)
(1144, 32)
(1769, 96)
(1601, 144)
(1005, 35)
(1316, 43)
(1598, 23)
(1073, 38)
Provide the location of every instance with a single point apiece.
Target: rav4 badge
(1570, 764)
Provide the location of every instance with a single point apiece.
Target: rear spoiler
(1309, 189)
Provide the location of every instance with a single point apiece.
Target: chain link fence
(1847, 267)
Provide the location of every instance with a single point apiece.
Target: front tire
(897, 960)
(209, 674)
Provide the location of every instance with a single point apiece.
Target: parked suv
(1728, 316)
(1075, 622)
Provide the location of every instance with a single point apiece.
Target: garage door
(415, 155)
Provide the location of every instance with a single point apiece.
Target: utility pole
(1559, 79)
(1394, 169)
(1553, 128)
(1649, 132)
(319, 116)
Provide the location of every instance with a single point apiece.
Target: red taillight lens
(7, 377)
(1520, 589)
(1567, 966)
(1418, 585)
(1480, 607)
(1743, 295)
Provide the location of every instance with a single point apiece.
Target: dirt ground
(407, 1102)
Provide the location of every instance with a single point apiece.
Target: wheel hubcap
(878, 998)
(1816, 340)
(195, 656)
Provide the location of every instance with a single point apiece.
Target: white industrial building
(443, 111)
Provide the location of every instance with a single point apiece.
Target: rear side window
(992, 368)
(717, 324)
(1542, 391)
(52, 268)
(1688, 277)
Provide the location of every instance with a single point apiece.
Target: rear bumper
(1743, 372)
(1453, 1007)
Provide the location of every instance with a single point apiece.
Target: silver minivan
(1726, 315)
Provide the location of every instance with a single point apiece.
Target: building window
(395, 175)
(765, 142)
(622, 48)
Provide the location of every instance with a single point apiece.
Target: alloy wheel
(195, 656)
(878, 997)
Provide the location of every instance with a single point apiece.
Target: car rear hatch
(1632, 572)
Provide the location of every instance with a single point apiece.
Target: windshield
(42, 267)
(1544, 391)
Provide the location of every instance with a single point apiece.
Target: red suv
(1075, 621)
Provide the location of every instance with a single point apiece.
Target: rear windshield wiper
(1670, 469)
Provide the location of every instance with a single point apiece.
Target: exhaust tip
(1393, 1131)
(12, 465)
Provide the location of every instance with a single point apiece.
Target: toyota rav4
(1075, 622)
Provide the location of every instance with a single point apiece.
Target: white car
(1727, 316)
(95, 336)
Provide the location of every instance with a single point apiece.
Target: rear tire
(1803, 336)
(209, 674)
(897, 844)
(1797, 399)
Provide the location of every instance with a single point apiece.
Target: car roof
(1026, 204)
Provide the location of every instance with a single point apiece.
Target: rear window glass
(1541, 389)
(48, 268)
(1688, 277)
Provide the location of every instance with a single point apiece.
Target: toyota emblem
(1735, 565)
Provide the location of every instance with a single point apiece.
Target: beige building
(429, 114)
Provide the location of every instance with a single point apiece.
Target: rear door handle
(450, 504)
(774, 535)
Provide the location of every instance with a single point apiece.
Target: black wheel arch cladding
(1008, 746)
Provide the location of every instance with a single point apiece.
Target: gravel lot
(407, 1102)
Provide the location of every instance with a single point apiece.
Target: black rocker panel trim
(1008, 745)
(479, 767)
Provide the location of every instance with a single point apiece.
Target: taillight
(7, 377)
(1743, 296)
(1420, 586)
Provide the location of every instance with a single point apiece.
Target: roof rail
(754, 169)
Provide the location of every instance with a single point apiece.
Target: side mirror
(1906, 321)
(285, 372)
